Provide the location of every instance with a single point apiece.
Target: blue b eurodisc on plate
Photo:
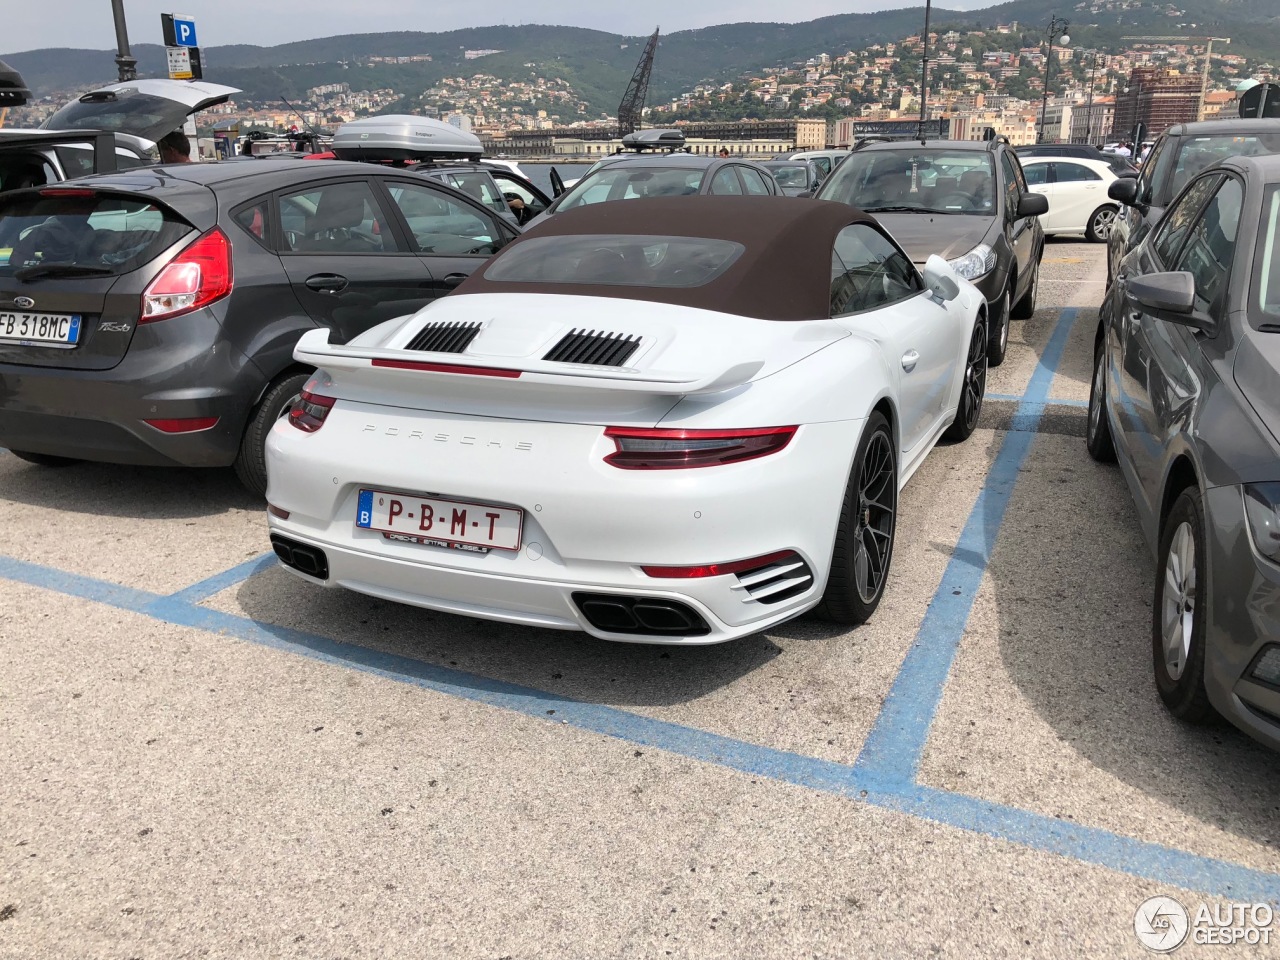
(364, 511)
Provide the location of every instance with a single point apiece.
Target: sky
(88, 23)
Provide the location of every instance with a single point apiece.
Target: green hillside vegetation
(598, 65)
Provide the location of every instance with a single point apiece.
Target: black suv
(1179, 154)
(965, 201)
(149, 316)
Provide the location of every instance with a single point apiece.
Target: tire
(998, 329)
(1025, 308)
(1099, 227)
(1098, 437)
(973, 387)
(1178, 613)
(251, 462)
(45, 459)
(863, 551)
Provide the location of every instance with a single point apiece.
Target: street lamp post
(1093, 70)
(924, 75)
(1055, 24)
(126, 65)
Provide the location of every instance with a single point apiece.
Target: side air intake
(444, 337)
(597, 348)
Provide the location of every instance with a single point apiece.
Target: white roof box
(654, 140)
(403, 137)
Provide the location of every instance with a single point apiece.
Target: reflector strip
(183, 424)
(447, 368)
(716, 569)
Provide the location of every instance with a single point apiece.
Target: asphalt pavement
(201, 756)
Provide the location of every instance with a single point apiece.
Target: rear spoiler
(104, 144)
(315, 350)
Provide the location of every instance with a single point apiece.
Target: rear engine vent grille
(590, 346)
(444, 337)
(776, 581)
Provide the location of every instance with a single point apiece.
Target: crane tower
(632, 106)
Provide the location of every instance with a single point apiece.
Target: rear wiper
(60, 270)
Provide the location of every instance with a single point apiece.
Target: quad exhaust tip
(301, 557)
(641, 616)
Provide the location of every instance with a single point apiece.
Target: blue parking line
(896, 743)
(1218, 878)
(210, 586)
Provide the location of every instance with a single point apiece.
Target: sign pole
(126, 65)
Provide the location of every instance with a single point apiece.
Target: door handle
(451, 280)
(327, 283)
(909, 360)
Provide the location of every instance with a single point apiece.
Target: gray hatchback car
(150, 316)
(1186, 395)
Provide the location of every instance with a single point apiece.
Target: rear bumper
(184, 371)
(588, 527)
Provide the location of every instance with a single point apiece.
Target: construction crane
(1208, 55)
(631, 109)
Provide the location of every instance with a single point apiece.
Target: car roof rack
(403, 138)
(640, 141)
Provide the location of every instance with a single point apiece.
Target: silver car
(1186, 396)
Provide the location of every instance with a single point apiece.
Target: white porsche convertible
(677, 421)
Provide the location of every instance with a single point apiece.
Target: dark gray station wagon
(150, 316)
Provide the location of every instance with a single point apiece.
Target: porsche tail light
(646, 448)
(195, 278)
(310, 410)
(717, 569)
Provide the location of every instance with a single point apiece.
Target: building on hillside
(1057, 123)
(1092, 123)
(1158, 98)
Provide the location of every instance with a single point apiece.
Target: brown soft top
(783, 274)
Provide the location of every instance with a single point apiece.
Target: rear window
(627, 181)
(1200, 153)
(627, 260)
(111, 234)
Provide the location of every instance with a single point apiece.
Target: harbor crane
(631, 110)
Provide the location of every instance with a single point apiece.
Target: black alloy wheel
(251, 462)
(864, 539)
(1098, 438)
(1025, 308)
(998, 331)
(973, 388)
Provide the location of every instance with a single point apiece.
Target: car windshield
(790, 175)
(1267, 293)
(629, 181)
(915, 180)
(99, 232)
(1198, 153)
(615, 259)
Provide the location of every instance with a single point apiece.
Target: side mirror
(1032, 205)
(939, 279)
(1125, 190)
(1169, 296)
(557, 184)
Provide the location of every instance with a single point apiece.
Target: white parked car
(1077, 192)
(683, 424)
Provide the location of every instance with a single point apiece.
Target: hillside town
(979, 80)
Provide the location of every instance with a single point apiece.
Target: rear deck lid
(73, 265)
(143, 108)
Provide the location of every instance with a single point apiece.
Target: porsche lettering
(465, 440)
